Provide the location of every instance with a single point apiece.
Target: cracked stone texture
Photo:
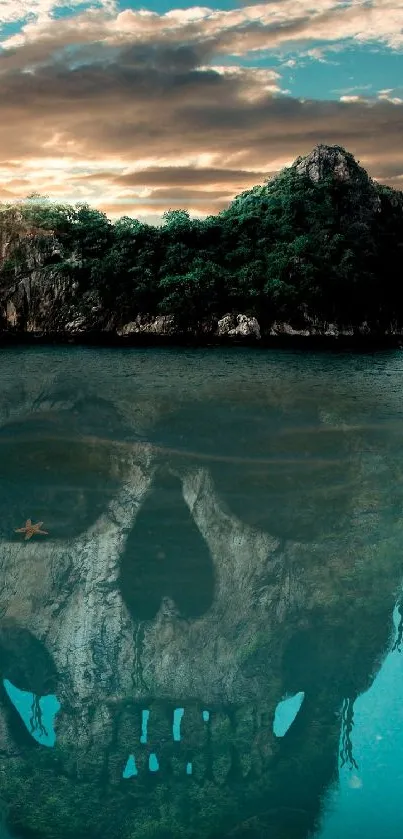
(272, 598)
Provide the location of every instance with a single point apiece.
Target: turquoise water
(206, 641)
(37, 712)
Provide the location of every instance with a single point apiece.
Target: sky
(137, 109)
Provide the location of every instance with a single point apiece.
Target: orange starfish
(30, 529)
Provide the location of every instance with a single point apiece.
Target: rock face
(325, 160)
(333, 160)
(331, 330)
(238, 325)
(161, 325)
(279, 328)
(41, 297)
(231, 325)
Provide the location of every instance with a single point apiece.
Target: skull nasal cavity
(166, 556)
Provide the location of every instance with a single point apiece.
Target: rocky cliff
(334, 161)
(51, 286)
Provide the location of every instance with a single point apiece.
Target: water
(207, 643)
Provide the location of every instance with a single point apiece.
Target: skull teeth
(225, 746)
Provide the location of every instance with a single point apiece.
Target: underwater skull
(279, 614)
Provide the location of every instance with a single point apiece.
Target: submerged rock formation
(278, 603)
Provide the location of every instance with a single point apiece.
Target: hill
(320, 244)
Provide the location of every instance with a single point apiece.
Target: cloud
(178, 195)
(137, 105)
(173, 176)
(352, 98)
(235, 31)
(42, 10)
(147, 213)
(396, 100)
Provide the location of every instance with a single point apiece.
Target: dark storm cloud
(174, 176)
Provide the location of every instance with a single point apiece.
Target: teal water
(206, 641)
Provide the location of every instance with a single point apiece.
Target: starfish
(30, 529)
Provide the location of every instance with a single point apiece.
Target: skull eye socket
(291, 500)
(166, 557)
(51, 475)
(278, 470)
(25, 661)
(27, 664)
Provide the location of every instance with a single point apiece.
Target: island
(314, 254)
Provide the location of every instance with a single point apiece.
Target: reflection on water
(198, 649)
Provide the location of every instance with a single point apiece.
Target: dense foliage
(294, 248)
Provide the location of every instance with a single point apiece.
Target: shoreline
(110, 339)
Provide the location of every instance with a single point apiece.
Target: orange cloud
(102, 105)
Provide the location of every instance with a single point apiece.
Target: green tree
(193, 296)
